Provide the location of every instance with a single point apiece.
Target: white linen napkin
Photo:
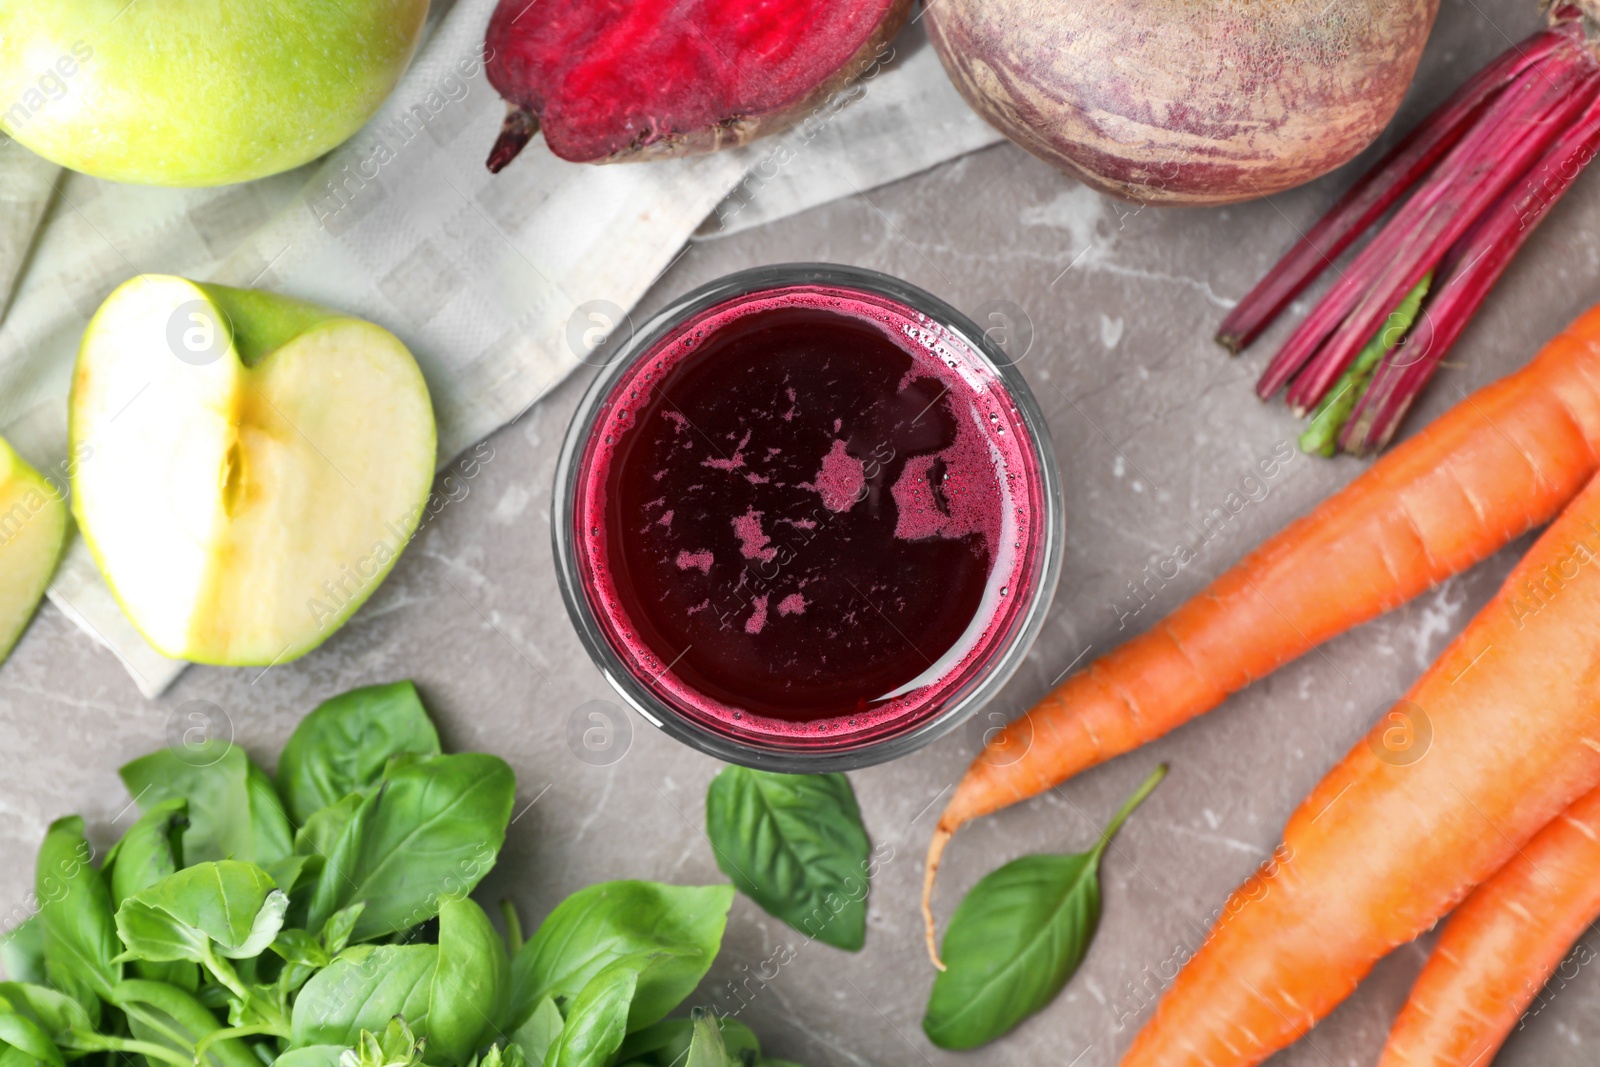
(26, 185)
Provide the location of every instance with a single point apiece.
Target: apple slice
(255, 465)
(33, 527)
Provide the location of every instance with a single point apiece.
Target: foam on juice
(807, 514)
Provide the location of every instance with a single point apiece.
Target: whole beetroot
(1184, 101)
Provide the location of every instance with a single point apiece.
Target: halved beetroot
(613, 80)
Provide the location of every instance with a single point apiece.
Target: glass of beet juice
(808, 518)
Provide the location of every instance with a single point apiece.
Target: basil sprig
(329, 924)
(1017, 938)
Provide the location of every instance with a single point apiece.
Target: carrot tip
(941, 837)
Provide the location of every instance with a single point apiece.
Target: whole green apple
(255, 465)
(197, 92)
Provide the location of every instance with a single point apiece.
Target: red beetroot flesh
(608, 80)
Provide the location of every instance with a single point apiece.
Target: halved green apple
(33, 527)
(255, 465)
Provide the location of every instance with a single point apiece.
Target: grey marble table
(1154, 426)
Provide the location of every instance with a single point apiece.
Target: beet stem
(1507, 110)
(1500, 147)
(1322, 436)
(1477, 262)
(1375, 193)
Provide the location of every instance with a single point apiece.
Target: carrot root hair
(941, 838)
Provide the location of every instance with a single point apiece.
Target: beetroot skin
(614, 80)
(1184, 101)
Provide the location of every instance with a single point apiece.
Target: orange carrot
(1501, 462)
(1385, 846)
(1501, 946)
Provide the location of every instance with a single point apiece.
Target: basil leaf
(1012, 944)
(166, 1015)
(22, 951)
(595, 927)
(298, 946)
(794, 844)
(738, 1038)
(666, 1044)
(535, 1036)
(362, 990)
(507, 1055)
(55, 1013)
(428, 832)
(397, 1046)
(344, 744)
(230, 905)
(337, 930)
(598, 1019)
(271, 835)
(706, 1048)
(234, 813)
(297, 876)
(80, 934)
(1017, 938)
(302, 955)
(311, 1056)
(471, 985)
(149, 851)
(322, 831)
(294, 871)
(659, 1043)
(23, 1034)
(293, 977)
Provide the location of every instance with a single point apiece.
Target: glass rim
(1002, 663)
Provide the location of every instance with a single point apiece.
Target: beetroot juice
(806, 517)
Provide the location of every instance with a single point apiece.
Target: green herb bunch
(322, 919)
